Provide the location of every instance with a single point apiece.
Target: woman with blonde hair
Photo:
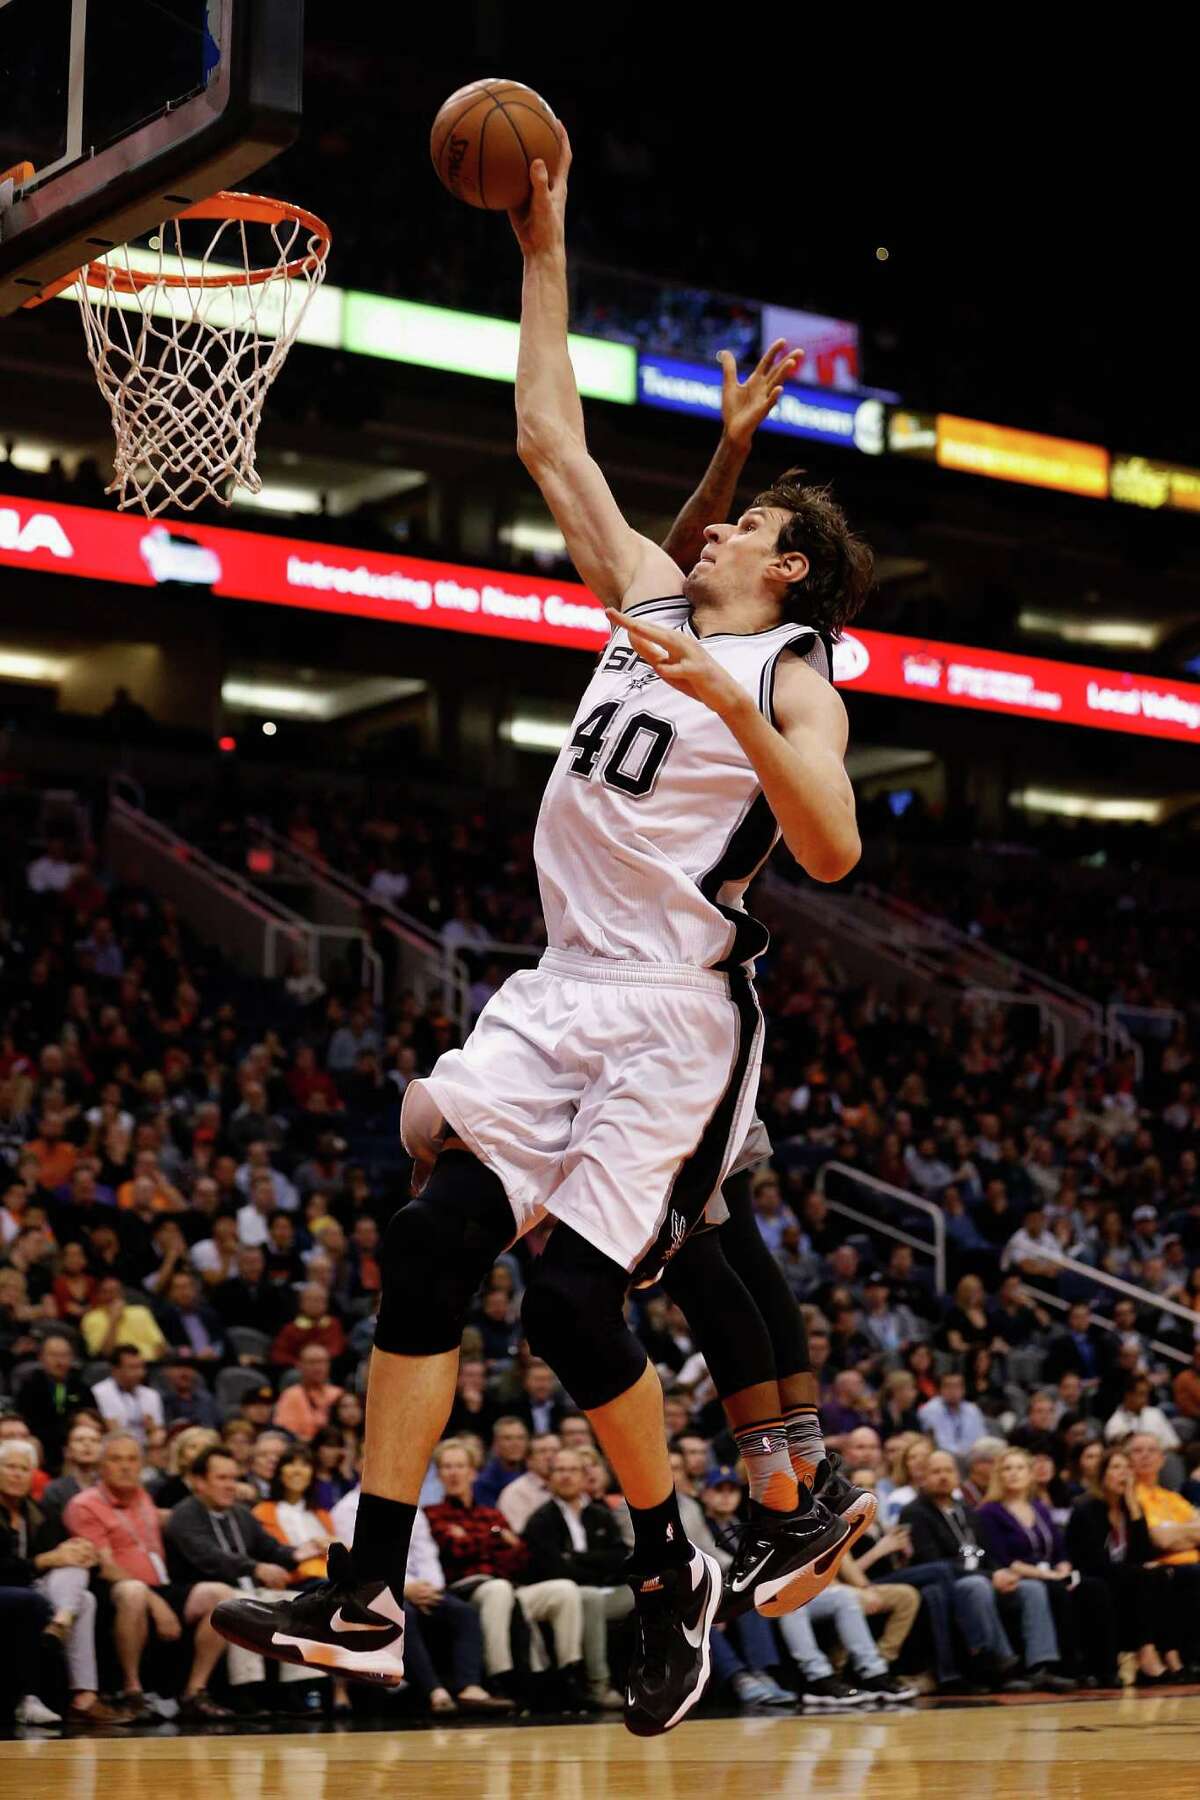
(182, 1451)
(1021, 1534)
(910, 1459)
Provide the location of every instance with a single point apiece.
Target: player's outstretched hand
(540, 224)
(682, 661)
(745, 404)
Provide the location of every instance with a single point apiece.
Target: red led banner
(280, 571)
(1030, 687)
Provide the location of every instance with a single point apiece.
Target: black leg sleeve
(747, 1254)
(721, 1311)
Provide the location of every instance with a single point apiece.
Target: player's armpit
(613, 560)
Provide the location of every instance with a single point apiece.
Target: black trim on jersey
(711, 637)
(640, 606)
(748, 847)
(698, 1175)
(767, 679)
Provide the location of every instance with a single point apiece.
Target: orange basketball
(485, 137)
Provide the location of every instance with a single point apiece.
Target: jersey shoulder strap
(812, 647)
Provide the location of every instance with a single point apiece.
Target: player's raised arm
(616, 562)
(744, 406)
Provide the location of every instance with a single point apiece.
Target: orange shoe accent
(813, 1581)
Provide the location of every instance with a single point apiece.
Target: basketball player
(609, 1089)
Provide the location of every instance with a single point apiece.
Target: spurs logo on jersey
(653, 822)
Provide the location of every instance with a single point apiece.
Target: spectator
(849, 1407)
(1022, 1535)
(1014, 1320)
(186, 1401)
(980, 1460)
(51, 872)
(944, 1530)
(906, 1474)
(540, 1408)
(304, 1408)
(249, 1299)
(520, 1499)
(123, 1400)
(74, 1284)
(1174, 1526)
(120, 1521)
(473, 1412)
(313, 1324)
(254, 1217)
(80, 1469)
(1077, 1350)
(510, 1448)
(953, 1422)
(744, 1652)
(484, 1561)
(114, 1320)
(210, 1537)
(967, 1326)
(898, 1405)
(1036, 1434)
(36, 1554)
(572, 1538)
(50, 1395)
(1135, 1414)
(215, 1258)
(843, 1607)
(257, 1173)
(290, 1519)
(887, 1326)
(193, 1329)
(1108, 1538)
(1033, 1250)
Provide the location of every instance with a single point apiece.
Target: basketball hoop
(185, 347)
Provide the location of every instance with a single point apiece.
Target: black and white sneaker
(783, 1561)
(829, 1691)
(670, 1665)
(856, 1505)
(354, 1627)
(891, 1689)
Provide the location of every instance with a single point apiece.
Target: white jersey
(654, 822)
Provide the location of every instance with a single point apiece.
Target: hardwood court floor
(1147, 1747)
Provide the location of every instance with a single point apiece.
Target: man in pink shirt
(305, 1407)
(118, 1516)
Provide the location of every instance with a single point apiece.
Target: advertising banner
(413, 590)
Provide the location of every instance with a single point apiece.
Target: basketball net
(185, 346)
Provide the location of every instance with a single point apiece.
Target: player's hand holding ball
(540, 225)
(488, 137)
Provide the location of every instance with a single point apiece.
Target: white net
(185, 366)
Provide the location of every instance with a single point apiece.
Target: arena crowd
(195, 1173)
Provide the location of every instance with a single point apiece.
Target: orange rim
(256, 209)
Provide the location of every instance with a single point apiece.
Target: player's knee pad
(574, 1319)
(435, 1253)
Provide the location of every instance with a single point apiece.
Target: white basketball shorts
(610, 1094)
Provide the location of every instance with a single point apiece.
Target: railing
(1056, 1300)
(1118, 1285)
(1157, 1022)
(1049, 1020)
(257, 931)
(901, 1197)
(1079, 1014)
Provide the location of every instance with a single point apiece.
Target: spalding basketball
(484, 139)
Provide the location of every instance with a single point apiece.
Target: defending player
(611, 1087)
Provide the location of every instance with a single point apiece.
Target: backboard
(130, 111)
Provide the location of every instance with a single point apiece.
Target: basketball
(485, 137)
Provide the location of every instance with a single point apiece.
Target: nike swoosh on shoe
(337, 1623)
(739, 1587)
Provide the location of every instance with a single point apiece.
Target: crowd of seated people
(195, 1170)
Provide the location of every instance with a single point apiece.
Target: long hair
(294, 1453)
(994, 1489)
(840, 565)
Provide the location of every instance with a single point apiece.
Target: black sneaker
(829, 1691)
(889, 1688)
(856, 1505)
(670, 1665)
(783, 1561)
(354, 1627)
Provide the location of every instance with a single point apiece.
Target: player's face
(736, 558)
